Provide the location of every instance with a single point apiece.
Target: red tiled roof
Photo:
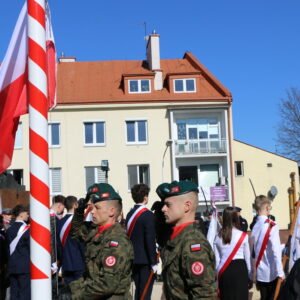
(103, 81)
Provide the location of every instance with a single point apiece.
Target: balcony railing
(198, 147)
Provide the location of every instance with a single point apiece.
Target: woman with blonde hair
(232, 252)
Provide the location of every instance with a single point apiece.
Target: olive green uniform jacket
(189, 267)
(109, 259)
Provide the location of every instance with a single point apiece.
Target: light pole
(168, 144)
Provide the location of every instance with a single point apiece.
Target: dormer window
(139, 86)
(185, 85)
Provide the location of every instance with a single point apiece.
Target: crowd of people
(97, 252)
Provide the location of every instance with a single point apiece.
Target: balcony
(200, 147)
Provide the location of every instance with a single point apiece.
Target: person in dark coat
(291, 288)
(18, 239)
(71, 250)
(3, 260)
(243, 224)
(163, 230)
(140, 225)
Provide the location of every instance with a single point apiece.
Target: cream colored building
(265, 170)
(151, 121)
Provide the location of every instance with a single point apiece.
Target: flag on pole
(295, 242)
(13, 78)
(51, 60)
(13, 83)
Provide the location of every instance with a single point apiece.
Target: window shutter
(100, 175)
(56, 180)
(89, 176)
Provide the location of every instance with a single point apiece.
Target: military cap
(102, 192)
(176, 188)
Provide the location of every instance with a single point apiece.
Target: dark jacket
(19, 261)
(72, 252)
(143, 238)
(291, 287)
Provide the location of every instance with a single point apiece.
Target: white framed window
(94, 133)
(139, 86)
(54, 134)
(19, 137)
(185, 85)
(136, 132)
(138, 174)
(55, 181)
(239, 168)
(94, 175)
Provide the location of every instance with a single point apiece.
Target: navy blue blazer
(19, 261)
(143, 238)
(72, 253)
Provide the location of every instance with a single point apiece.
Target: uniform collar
(262, 218)
(101, 229)
(178, 229)
(21, 221)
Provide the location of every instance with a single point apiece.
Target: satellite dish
(272, 192)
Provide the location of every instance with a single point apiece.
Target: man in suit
(18, 239)
(71, 250)
(140, 224)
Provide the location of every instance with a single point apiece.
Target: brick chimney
(153, 59)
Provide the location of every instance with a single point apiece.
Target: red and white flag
(13, 84)
(51, 60)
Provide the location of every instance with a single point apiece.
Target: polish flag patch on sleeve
(113, 244)
(195, 247)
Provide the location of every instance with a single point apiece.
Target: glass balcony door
(189, 173)
(192, 135)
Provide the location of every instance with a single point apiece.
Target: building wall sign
(219, 193)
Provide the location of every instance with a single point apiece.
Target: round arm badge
(110, 261)
(197, 268)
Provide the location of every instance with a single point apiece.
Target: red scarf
(179, 228)
(102, 228)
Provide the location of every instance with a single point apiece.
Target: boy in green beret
(188, 260)
(109, 253)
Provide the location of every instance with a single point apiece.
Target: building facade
(128, 122)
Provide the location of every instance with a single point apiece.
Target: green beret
(176, 188)
(102, 192)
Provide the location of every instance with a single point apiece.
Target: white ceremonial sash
(262, 241)
(230, 252)
(15, 241)
(134, 217)
(65, 230)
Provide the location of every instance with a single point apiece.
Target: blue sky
(252, 47)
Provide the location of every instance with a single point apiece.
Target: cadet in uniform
(18, 239)
(109, 253)
(140, 224)
(188, 260)
(266, 249)
(232, 251)
(71, 251)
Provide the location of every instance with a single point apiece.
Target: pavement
(157, 292)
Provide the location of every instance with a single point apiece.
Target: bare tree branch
(288, 129)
